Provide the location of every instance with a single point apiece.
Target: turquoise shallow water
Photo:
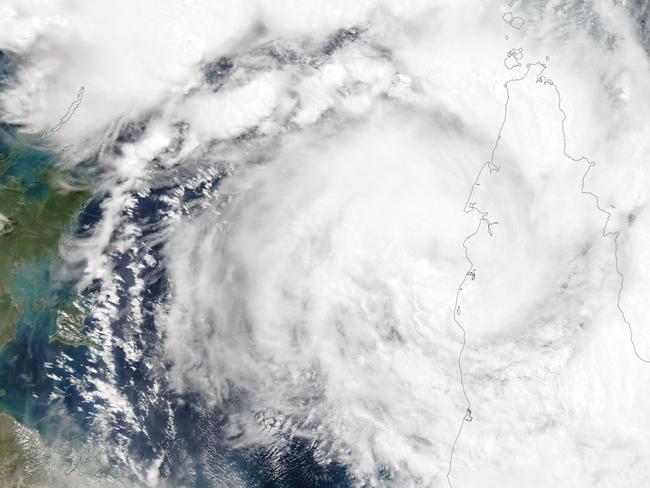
(24, 377)
(49, 385)
(29, 165)
(23, 371)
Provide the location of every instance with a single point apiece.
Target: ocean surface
(47, 383)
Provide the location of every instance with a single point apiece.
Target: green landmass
(22, 460)
(70, 323)
(34, 213)
(26, 461)
(30, 229)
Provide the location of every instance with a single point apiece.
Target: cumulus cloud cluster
(313, 280)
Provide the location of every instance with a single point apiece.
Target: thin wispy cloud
(298, 174)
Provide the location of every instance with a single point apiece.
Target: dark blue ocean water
(22, 361)
(56, 407)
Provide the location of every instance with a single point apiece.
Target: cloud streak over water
(309, 166)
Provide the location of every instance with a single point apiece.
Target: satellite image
(325, 244)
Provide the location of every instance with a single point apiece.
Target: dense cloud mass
(349, 229)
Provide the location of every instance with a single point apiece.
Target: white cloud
(318, 280)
